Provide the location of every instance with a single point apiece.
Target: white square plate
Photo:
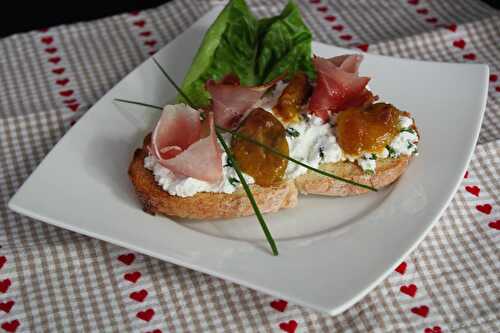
(332, 251)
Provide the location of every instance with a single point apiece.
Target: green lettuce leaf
(257, 51)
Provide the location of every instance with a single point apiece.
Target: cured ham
(338, 85)
(231, 101)
(187, 146)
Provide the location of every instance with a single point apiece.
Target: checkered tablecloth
(52, 280)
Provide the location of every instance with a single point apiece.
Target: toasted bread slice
(269, 199)
(206, 205)
(388, 170)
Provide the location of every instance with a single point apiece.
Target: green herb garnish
(409, 130)
(373, 156)
(233, 181)
(243, 182)
(392, 152)
(290, 131)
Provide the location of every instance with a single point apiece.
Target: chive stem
(139, 103)
(244, 183)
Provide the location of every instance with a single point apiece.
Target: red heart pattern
(139, 296)
(460, 43)
(11, 326)
(494, 224)
(363, 47)
(3, 260)
(55, 60)
(146, 315)
(493, 78)
(62, 82)
(346, 37)
(127, 259)
(4, 285)
(7, 306)
(150, 43)
(145, 33)
(155, 331)
(66, 93)
(485, 209)
(413, 2)
(421, 311)
(47, 40)
(69, 101)
(423, 11)
(279, 305)
(289, 327)
(474, 190)
(409, 290)
(452, 27)
(322, 9)
(338, 27)
(401, 269)
(432, 20)
(470, 56)
(497, 88)
(73, 107)
(140, 23)
(58, 71)
(314, 1)
(330, 18)
(435, 329)
(132, 277)
(51, 50)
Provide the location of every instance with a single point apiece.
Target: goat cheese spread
(310, 141)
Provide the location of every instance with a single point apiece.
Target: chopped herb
(410, 145)
(369, 172)
(409, 130)
(290, 131)
(373, 156)
(234, 181)
(228, 163)
(392, 152)
(415, 152)
(322, 153)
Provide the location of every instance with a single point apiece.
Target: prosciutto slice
(337, 85)
(187, 146)
(230, 100)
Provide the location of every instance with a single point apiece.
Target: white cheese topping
(368, 163)
(312, 143)
(405, 143)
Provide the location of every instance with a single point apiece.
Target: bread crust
(388, 171)
(206, 205)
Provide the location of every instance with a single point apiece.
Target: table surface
(55, 280)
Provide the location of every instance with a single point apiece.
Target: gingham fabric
(52, 280)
